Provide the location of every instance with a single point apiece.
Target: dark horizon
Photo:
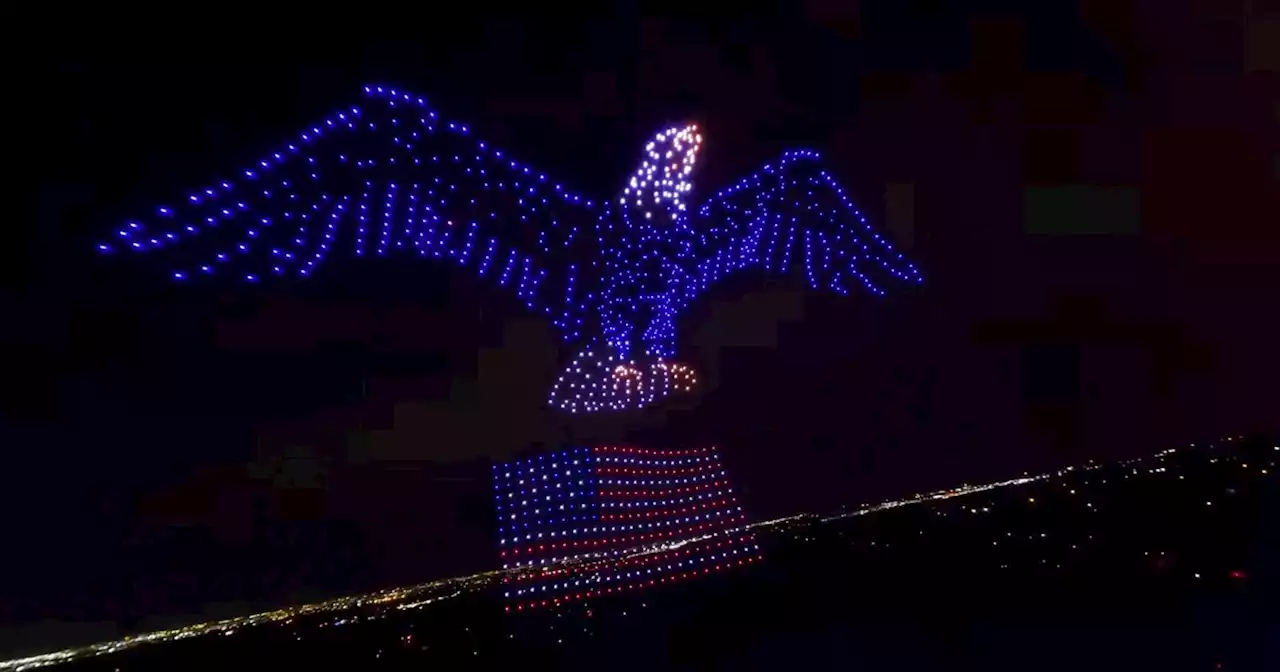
(175, 448)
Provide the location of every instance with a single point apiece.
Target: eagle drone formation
(391, 176)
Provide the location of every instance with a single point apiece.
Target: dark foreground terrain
(1166, 563)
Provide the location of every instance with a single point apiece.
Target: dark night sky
(178, 452)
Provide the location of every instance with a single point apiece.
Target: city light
(660, 516)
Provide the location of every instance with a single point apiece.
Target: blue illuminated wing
(787, 217)
(387, 177)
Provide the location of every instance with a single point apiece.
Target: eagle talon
(593, 382)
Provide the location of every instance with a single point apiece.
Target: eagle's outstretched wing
(387, 176)
(791, 215)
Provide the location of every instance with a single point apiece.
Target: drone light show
(583, 523)
(391, 176)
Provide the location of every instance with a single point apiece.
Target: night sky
(1086, 189)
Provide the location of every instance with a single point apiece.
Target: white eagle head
(658, 188)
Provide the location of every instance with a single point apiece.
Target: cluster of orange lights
(682, 377)
(678, 377)
(593, 383)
